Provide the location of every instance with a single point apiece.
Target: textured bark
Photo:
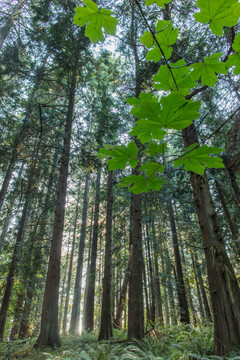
(75, 316)
(223, 286)
(49, 334)
(106, 330)
(17, 316)
(90, 289)
(34, 267)
(235, 187)
(232, 226)
(182, 299)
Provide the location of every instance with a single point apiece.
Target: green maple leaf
(139, 184)
(152, 168)
(207, 70)
(165, 36)
(120, 155)
(95, 20)
(145, 135)
(164, 79)
(160, 3)
(234, 60)
(198, 159)
(172, 112)
(154, 149)
(218, 13)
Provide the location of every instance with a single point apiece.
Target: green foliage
(234, 60)
(139, 184)
(165, 36)
(164, 79)
(208, 69)
(218, 13)
(95, 20)
(197, 159)
(160, 3)
(169, 343)
(120, 155)
(172, 112)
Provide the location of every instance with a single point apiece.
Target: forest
(119, 179)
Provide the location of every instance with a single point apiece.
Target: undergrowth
(168, 343)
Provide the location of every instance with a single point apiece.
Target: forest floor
(171, 343)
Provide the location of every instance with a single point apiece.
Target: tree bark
(223, 286)
(71, 264)
(90, 290)
(75, 316)
(182, 299)
(123, 293)
(18, 245)
(49, 334)
(106, 330)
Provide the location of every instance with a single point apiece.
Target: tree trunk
(49, 334)
(232, 226)
(152, 304)
(159, 310)
(5, 29)
(123, 293)
(18, 246)
(106, 330)
(182, 299)
(90, 289)
(135, 301)
(223, 286)
(75, 316)
(71, 264)
(17, 316)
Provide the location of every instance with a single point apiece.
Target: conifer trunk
(90, 288)
(123, 293)
(75, 316)
(182, 299)
(106, 330)
(49, 334)
(223, 286)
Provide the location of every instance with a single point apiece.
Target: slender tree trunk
(17, 247)
(153, 304)
(21, 135)
(49, 334)
(5, 29)
(203, 291)
(71, 264)
(75, 316)
(135, 302)
(223, 286)
(106, 330)
(61, 305)
(200, 301)
(90, 290)
(182, 299)
(123, 293)
(159, 310)
(17, 315)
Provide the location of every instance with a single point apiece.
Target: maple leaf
(95, 20)
(218, 13)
